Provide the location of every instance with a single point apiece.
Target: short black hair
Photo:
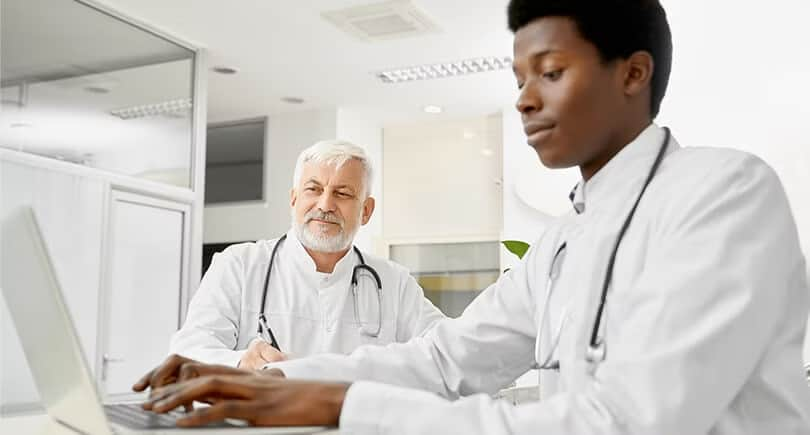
(618, 28)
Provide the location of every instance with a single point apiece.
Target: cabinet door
(146, 257)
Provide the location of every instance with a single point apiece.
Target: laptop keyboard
(131, 415)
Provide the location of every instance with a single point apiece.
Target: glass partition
(452, 274)
(82, 86)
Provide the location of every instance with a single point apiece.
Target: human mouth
(535, 127)
(536, 132)
(321, 221)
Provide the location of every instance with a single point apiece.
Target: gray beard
(322, 242)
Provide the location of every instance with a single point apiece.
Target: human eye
(553, 75)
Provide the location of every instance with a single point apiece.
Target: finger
(253, 362)
(273, 372)
(189, 371)
(143, 382)
(218, 412)
(271, 354)
(147, 379)
(166, 373)
(158, 394)
(204, 388)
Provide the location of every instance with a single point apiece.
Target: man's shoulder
(249, 250)
(692, 170)
(713, 160)
(696, 178)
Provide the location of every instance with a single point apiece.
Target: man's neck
(325, 261)
(617, 142)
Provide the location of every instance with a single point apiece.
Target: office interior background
(149, 134)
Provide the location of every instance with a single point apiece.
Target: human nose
(529, 100)
(326, 202)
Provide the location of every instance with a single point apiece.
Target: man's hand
(259, 353)
(177, 369)
(259, 400)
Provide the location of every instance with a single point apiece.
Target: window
(234, 161)
(452, 274)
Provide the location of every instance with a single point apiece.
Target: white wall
(442, 180)
(287, 135)
(532, 194)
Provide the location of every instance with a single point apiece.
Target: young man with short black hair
(673, 300)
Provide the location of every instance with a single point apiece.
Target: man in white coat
(310, 305)
(672, 300)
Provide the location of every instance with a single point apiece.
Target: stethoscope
(597, 348)
(263, 325)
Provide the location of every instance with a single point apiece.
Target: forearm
(441, 361)
(371, 408)
(404, 364)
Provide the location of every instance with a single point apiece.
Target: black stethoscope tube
(596, 348)
(361, 266)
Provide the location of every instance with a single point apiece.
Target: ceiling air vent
(380, 21)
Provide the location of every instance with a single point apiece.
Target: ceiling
(36, 46)
(285, 48)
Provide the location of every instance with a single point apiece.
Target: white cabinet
(145, 256)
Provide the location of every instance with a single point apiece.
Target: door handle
(105, 360)
(108, 359)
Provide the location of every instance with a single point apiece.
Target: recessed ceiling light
(487, 152)
(442, 70)
(224, 70)
(432, 109)
(292, 100)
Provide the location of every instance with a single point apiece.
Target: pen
(266, 334)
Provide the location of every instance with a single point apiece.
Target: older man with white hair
(309, 291)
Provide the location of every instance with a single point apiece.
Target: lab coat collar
(622, 166)
(296, 250)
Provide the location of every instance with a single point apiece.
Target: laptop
(53, 352)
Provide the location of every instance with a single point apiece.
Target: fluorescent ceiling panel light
(442, 70)
(165, 108)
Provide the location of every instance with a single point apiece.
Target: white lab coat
(309, 312)
(704, 321)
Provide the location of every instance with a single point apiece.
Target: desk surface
(41, 424)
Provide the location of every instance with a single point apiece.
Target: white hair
(335, 152)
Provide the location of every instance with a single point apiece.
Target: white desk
(41, 424)
(38, 424)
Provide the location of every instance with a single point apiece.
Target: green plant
(516, 247)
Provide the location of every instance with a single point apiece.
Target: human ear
(368, 209)
(637, 73)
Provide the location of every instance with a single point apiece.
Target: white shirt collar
(296, 250)
(630, 161)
